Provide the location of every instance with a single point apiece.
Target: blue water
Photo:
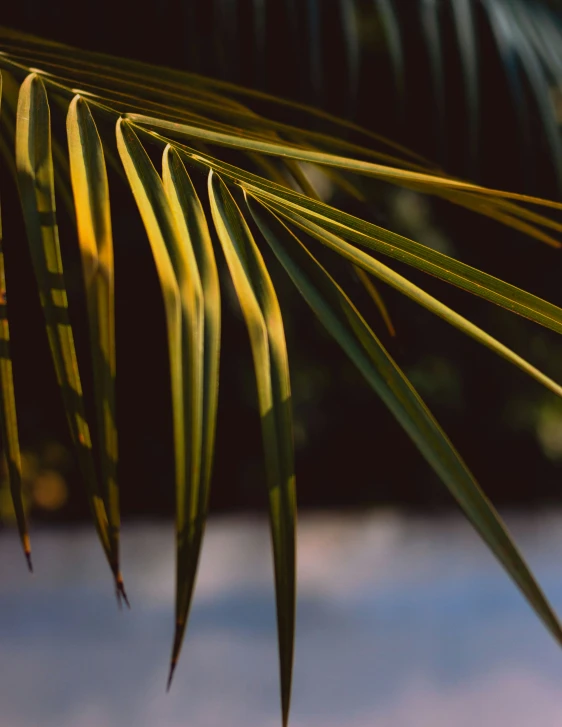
(401, 622)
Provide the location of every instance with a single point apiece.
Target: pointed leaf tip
(171, 674)
(120, 592)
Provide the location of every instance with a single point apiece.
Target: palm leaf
(379, 239)
(93, 217)
(265, 327)
(181, 289)
(191, 120)
(340, 317)
(389, 276)
(199, 288)
(36, 186)
(492, 203)
(429, 182)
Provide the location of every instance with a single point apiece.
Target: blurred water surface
(401, 622)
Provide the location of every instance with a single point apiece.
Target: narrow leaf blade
(36, 186)
(262, 314)
(396, 175)
(402, 284)
(345, 324)
(93, 218)
(200, 343)
(181, 289)
(374, 237)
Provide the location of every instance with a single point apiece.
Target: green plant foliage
(260, 308)
(259, 193)
(93, 220)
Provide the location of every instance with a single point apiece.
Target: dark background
(350, 451)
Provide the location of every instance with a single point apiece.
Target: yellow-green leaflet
(412, 253)
(200, 300)
(251, 125)
(93, 219)
(340, 317)
(389, 276)
(161, 82)
(182, 292)
(189, 92)
(8, 418)
(479, 200)
(391, 244)
(36, 186)
(380, 171)
(262, 314)
(184, 198)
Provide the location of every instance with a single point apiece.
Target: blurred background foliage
(474, 85)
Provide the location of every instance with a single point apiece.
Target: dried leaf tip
(27, 550)
(120, 592)
(173, 665)
(178, 637)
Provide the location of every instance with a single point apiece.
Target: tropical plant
(259, 205)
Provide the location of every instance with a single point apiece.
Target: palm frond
(196, 124)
